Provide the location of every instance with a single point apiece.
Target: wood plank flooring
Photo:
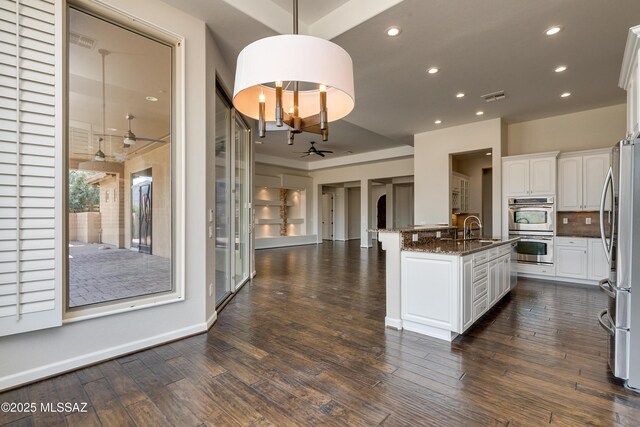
(304, 344)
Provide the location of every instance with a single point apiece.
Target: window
(119, 143)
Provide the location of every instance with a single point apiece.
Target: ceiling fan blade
(319, 153)
(325, 151)
(141, 138)
(305, 155)
(300, 152)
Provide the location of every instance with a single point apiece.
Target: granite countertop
(431, 227)
(457, 247)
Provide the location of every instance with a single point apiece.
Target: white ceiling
(480, 47)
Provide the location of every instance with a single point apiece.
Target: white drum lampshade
(294, 58)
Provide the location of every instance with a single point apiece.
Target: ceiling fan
(313, 150)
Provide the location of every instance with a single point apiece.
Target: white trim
(212, 319)
(108, 309)
(66, 365)
(280, 161)
(431, 331)
(370, 156)
(630, 55)
(393, 323)
(532, 156)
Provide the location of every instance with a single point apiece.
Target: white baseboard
(57, 368)
(568, 280)
(430, 331)
(211, 320)
(393, 323)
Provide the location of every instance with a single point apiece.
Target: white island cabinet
(444, 292)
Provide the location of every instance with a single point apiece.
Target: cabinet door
(542, 176)
(494, 282)
(598, 266)
(516, 177)
(595, 169)
(572, 262)
(570, 184)
(504, 275)
(467, 293)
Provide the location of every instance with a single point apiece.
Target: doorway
(381, 221)
(327, 216)
(141, 211)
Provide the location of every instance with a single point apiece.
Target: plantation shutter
(29, 298)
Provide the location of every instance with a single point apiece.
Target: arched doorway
(382, 212)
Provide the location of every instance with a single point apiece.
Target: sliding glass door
(232, 145)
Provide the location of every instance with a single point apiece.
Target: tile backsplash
(577, 224)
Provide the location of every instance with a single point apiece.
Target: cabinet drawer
(480, 257)
(572, 241)
(504, 250)
(480, 306)
(480, 272)
(480, 288)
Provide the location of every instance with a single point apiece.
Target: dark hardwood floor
(305, 344)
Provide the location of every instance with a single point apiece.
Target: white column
(391, 245)
(365, 196)
(341, 218)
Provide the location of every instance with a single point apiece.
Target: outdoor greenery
(83, 197)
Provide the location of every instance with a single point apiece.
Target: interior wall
(363, 173)
(487, 204)
(584, 130)
(473, 169)
(432, 160)
(404, 202)
(353, 213)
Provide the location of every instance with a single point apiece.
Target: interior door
(142, 211)
(327, 216)
(241, 201)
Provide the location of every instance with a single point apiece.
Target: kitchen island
(440, 286)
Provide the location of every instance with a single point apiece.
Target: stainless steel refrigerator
(620, 232)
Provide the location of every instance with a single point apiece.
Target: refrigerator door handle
(607, 247)
(605, 285)
(606, 326)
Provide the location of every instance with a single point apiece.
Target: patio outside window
(119, 163)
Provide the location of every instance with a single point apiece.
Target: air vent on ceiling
(82, 41)
(495, 96)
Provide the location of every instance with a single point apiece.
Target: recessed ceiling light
(489, 153)
(479, 113)
(438, 122)
(112, 129)
(393, 31)
(151, 98)
(565, 94)
(553, 30)
(460, 95)
(433, 70)
(560, 69)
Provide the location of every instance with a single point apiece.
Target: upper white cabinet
(630, 81)
(580, 180)
(529, 175)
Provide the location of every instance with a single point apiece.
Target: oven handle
(607, 247)
(606, 287)
(606, 326)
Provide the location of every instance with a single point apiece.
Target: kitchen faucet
(466, 233)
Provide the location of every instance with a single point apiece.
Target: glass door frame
(231, 176)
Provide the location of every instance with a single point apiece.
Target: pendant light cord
(295, 16)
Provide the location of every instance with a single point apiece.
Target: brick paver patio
(100, 273)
